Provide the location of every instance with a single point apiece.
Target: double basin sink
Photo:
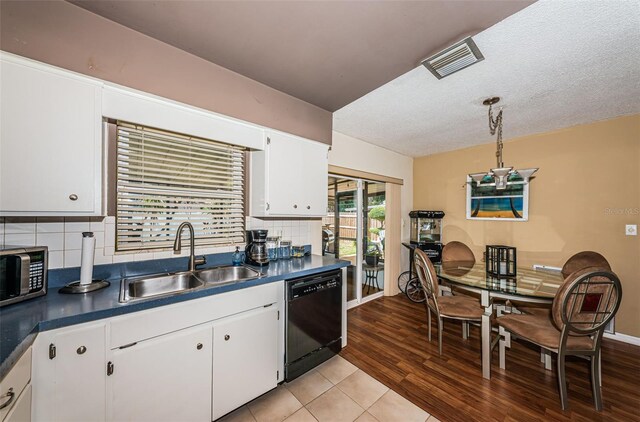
(133, 289)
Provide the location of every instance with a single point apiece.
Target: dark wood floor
(387, 338)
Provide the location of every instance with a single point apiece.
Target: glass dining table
(529, 286)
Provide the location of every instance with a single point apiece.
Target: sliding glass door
(354, 231)
(373, 214)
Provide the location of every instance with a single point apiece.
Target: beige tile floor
(335, 391)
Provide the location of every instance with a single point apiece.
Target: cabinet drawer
(15, 381)
(21, 411)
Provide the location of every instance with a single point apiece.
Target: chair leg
(547, 360)
(596, 381)
(600, 368)
(445, 290)
(440, 336)
(504, 342)
(465, 330)
(429, 323)
(562, 382)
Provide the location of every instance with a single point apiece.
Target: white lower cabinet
(167, 378)
(69, 374)
(245, 358)
(191, 361)
(15, 391)
(21, 410)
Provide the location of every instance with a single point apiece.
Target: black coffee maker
(256, 250)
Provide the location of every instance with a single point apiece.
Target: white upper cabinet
(52, 148)
(289, 178)
(50, 141)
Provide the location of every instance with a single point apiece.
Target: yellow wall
(587, 189)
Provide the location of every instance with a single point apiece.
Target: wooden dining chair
(461, 308)
(584, 259)
(583, 306)
(457, 251)
(578, 261)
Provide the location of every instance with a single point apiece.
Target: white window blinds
(164, 179)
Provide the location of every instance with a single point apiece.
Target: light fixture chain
(500, 174)
(496, 125)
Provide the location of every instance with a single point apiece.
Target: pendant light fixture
(500, 174)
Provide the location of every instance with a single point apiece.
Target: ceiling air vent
(460, 55)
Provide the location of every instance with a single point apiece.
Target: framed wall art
(485, 202)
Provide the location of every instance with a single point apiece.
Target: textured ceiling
(555, 64)
(327, 53)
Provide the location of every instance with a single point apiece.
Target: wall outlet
(631, 230)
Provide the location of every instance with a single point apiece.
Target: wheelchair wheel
(403, 279)
(414, 291)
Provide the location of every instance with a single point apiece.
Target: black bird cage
(501, 260)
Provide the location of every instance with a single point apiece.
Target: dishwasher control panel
(303, 287)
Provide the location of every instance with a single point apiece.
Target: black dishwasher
(314, 321)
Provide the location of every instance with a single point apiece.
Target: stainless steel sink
(159, 285)
(132, 289)
(228, 274)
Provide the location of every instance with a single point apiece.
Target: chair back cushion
(427, 276)
(587, 300)
(583, 260)
(457, 251)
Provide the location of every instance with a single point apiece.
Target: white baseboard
(623, 338)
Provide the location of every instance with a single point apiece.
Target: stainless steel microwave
(23, 273)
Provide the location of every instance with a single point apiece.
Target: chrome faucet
(177, 246)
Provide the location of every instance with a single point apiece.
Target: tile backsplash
(63, 237)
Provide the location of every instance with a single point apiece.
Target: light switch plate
(631, 230)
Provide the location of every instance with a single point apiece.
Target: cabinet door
(69, 374)
(51, 143)
(245, 363)
(285, 174)
(316, 172)
(21, 410)
(296, 171)
(167, 378)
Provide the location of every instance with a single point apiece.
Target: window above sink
(165, 179)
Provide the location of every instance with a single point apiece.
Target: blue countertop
(20, 322)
